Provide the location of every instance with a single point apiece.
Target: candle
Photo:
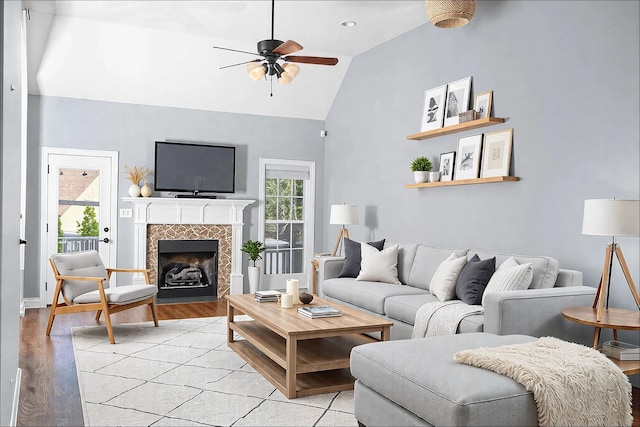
(293, 288)
(286, 301)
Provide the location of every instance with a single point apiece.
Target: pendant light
(450, 13)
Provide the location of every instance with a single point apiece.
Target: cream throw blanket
(441, 317)
(572, 385)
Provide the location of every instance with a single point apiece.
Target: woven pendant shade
(450, 13)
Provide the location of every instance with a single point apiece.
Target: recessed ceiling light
(348, 23)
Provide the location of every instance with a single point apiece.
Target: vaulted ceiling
(161, 52)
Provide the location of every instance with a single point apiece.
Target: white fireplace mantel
(169, 210)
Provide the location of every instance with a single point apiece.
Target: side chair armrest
(144, 271)
(81, 278)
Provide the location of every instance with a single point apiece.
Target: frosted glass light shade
(611, 217)
(257, 73)
(343, 214)
(291, 69)
(284, 79)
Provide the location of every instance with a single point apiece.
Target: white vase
(146, 190)
(434, 176)
(420, 176)
(254, 279)
(134, 190)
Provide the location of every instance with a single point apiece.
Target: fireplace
(188, 270)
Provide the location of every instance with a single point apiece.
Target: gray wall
(132, 130)
(10, 116)
(564, 75)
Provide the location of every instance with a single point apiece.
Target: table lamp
(615, 218)
(342, 215)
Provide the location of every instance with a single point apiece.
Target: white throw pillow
(379, 266)
(510, 276)
(443, 282)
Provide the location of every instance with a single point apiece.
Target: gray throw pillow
(353, 258)
(473, 279)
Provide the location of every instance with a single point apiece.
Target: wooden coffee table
(298, 355)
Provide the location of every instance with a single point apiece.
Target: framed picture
(496, 156)
(434, 100)
(447, 163)
(458, 94)
(468, 157)
(482, 104)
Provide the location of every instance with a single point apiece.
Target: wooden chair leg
(154, 313)
(98, 313)
(107, 319)
(52, 315)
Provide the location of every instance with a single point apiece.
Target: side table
(612, 318)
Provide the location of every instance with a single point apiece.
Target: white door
(287, 205)
(79, 203)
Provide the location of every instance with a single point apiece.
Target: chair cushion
(119, 295)
(87, 264)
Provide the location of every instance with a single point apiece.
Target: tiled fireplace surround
(160, 218)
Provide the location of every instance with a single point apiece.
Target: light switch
(126, 213)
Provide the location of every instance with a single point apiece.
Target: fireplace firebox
(187, 270)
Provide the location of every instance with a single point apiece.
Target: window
(286, 215)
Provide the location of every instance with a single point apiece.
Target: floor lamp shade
(611, 217)
(343, 214)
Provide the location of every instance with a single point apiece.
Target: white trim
(31, 303)
(16, 399)
(309, 204)
(46, 152)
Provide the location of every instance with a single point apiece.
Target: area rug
(183, 374)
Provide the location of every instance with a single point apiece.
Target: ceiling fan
(273, 52)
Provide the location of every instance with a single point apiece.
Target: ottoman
(417, 383)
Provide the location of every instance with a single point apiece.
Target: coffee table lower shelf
(322, 365)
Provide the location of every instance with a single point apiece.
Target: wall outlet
(126, 213)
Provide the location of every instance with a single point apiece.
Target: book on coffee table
(621, 350)
(319, 311)
(267, 296)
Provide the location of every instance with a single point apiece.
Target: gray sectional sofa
(536, 311)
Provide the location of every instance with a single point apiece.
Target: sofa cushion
(421, 376)
(379, 266)
(545, 269)
(352, 257)
(406, 256)
(443, 282)
(510, 277)
(426, 262)
(119, 295)
(473, 279)
(405, 307)
(367, 295)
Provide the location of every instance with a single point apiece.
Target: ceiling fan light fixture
(257, 73)
(252, 65)
(291, 69)
(285, 79)
(450, 13)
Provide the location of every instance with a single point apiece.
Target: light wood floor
(49, 394)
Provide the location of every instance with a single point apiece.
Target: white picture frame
(458, 94)
(468, 157)
(447, 165)
(433, 112)
(496, 153)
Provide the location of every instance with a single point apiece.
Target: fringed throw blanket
(572, 385)
(442, 317)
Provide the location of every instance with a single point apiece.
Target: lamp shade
(611, 217)
(344, 214)
(450, 13)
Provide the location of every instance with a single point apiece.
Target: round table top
(612, 318)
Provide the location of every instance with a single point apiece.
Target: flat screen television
(195, 168)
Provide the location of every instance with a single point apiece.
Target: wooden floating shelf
(474, 124)
(464, 182)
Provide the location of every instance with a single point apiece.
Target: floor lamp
(342, 215)
(615, 218)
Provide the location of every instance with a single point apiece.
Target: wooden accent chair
(83, 282)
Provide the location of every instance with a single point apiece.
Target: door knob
(23, 242)
(106, 240)
(106, 229)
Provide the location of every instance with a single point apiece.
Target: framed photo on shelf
(447, 163)
(458, 94)
(496, 156)
(482, 104)
(433, 114)
(468, 157)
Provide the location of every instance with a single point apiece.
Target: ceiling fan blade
(235, 50)
(288, 47)
(318, 60)
(240, 63)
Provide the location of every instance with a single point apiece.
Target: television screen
(195, 168)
